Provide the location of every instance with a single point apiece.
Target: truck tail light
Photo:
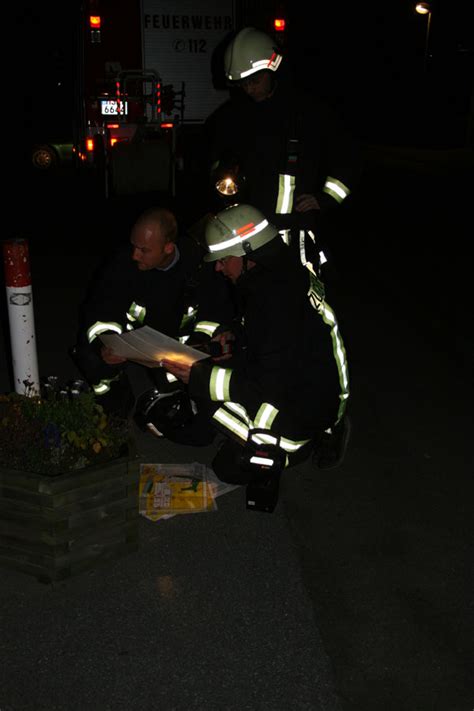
(113, 140)
(95, 24)
(158, 98)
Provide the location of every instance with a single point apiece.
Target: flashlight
(227, 186)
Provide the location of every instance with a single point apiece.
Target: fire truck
(144, 77)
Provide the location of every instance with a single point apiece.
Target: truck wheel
(44, 157)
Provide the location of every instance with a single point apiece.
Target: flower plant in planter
(57, 432)
(68, 483)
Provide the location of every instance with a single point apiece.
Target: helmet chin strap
(245, 258)
(274, 86)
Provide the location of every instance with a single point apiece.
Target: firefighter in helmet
(292, 151)
(289, 380)
(277, 147)
(252, 59)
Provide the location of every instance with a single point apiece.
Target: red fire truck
(143, 76)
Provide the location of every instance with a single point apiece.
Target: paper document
(149, 347)
(169, 489)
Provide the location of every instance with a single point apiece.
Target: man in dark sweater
(145, 285)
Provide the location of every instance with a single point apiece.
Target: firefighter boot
(331, 447)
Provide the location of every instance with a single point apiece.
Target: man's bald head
(163, 219)
(153, 239)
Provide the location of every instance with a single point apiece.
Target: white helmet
(250, 51)
(237, 231)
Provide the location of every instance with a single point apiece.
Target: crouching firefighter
(290, 384)
(147, 283)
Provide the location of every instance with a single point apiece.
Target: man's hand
(306, 202)
(182, 371)
(109, 357)
(224, 339)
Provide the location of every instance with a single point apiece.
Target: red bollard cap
(16, 259)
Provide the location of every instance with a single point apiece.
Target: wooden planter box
(54, 527)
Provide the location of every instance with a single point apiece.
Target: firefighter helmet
(250, 51)
(237, 231)
(162, 413)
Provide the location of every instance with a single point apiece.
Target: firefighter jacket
(292, 376)
(122, 298)
(288, 145)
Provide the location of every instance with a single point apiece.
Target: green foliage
(57, 434)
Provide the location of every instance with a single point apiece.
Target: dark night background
(366, 59)
(385, 542)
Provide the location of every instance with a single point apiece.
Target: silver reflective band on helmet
(237, 231)
(244, 233)
(101, 327)
(273, 63)
(250, 51)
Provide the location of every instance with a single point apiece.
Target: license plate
(109, 108)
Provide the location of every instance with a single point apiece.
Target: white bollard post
(21, 316)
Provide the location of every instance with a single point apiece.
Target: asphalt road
(385, 541)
